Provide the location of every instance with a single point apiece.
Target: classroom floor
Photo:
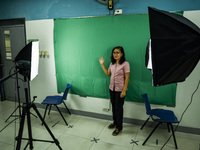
(85, 133)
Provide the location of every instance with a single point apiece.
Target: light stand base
(26, 111)
(11, 115)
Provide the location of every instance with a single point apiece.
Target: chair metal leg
(66, 108)
(151, 133)
(49, 110)
(168, 127)
(45, 112)
(61, 115)
(173, 135)
(145, 123)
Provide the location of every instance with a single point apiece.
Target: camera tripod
(26, 112)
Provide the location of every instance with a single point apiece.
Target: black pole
(9, 76)
(18, 95)
(19, 103)
(1, 85)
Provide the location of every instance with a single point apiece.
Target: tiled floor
(85, 133)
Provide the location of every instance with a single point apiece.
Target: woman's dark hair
(123, 56)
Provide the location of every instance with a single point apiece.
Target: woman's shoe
(111, 126)
(116, 132)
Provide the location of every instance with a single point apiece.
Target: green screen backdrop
(79, 42)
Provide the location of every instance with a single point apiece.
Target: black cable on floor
(182, 114)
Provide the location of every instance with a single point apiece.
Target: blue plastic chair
(56, 100)
(160, 116)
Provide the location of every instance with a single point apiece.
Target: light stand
(19, 104)
(1, 86)
(26, 112)
(27, 62)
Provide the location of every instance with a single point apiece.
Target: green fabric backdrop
(79, 42)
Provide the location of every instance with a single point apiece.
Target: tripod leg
(12, 114)
(33, 115)
(44, 123)
(29, 128)
(19, 137)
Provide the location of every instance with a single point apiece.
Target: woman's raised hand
(101, 60)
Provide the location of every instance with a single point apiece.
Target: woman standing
(119, 70)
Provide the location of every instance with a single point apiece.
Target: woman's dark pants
(117, 108)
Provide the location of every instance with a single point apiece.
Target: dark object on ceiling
(105, 2)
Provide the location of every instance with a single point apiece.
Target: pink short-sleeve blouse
(117, 78)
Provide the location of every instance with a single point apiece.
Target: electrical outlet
(118, 12)
(106, 109)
